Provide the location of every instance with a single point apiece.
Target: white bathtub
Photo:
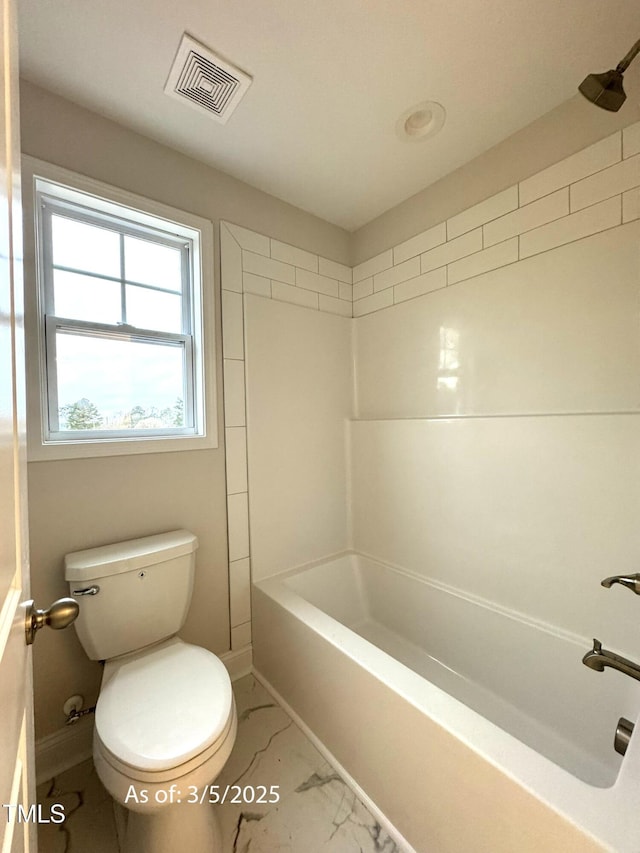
(471, 728)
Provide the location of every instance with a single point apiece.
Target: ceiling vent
(206, 81)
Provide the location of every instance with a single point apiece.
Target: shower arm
(628, 59)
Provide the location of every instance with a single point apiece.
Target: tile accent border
(254, 263)
(593, 190)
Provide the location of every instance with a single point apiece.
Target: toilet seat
(218, 751)
(164, 710)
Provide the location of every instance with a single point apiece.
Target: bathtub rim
(578, 640)
(604, 813)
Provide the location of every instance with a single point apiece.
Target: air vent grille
(205, 80)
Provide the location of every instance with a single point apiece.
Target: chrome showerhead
(605, 90)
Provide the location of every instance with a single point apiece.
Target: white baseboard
(364, 798)
(64, 748)
(238, 663)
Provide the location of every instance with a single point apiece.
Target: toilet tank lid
(128, 556)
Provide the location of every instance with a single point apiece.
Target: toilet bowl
(165, 719)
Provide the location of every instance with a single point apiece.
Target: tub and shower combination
(421, 663)
(470, 727)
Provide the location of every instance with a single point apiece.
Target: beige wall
(568, 128)
(83, 503)
(64, 133)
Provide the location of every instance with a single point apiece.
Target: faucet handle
(631, 582)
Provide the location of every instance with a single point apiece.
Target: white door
(17, 832)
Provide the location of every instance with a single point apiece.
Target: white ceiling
(331, 77)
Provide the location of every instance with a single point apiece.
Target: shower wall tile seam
(617, 182)
(526, 218)
(580, 166)
(604, 215)
(500, 255)
(262, 275)
(332, 269)
(363, 288)
(233, 393)
(250, 240)
(418, 286)
(583, 163)
(273, 278)
(616, 179)
(345, 291)
(236, 460)
(397, 274)
(315, 282)
(294, 256)
(631, 140)
(239, 581)
(238, 526)
(255, 284)
(332, 287)
(368, 305)
(422, 242)
(241, 636)
(630, 205)
(583, 223)
(485, 211)
(283, 292)
(377, 264)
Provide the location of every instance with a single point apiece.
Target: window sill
(39, 452)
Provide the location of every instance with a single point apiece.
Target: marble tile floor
(316, 812)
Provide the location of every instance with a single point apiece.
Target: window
(120, 323)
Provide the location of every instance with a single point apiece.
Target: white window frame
(57, 187)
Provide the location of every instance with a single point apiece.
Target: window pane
(153, 309)
(85, 247)
(151, 263)
(113, 384)
(83, 297)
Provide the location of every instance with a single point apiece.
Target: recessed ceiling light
(420, 121)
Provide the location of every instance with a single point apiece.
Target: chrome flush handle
(87, 590)
(631, 582)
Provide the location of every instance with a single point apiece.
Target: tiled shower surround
(592, 191)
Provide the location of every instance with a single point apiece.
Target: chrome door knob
(61, 614)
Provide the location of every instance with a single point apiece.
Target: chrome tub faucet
(631, 582)
(599, 658)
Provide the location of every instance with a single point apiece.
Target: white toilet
(165, 718)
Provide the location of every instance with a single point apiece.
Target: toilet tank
(131, 594)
